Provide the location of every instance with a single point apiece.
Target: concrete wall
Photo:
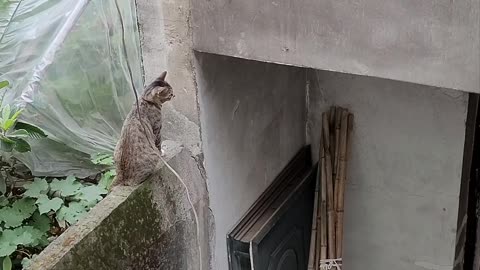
(253, 118)
(432, 42)
(404, 171)
(166, 43)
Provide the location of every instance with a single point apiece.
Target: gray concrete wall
(166, 43)
(404, 169)
(253, 118)
(432, 42)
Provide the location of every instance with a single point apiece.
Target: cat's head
(159, 91)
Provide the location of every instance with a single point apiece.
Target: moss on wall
(132, 236)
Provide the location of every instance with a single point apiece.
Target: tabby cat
(138, 152)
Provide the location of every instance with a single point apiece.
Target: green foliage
(44, 207)
(12, 132)
(40, 222)
(28, 220)
(4, 84)
(3, 201)
(107, 179)
(30, 130)
(7, 263)
(11, 217)
(107, 176)
(71, 213)
(26, 262)
(91, 194)
(36, 189)
(13, 137)
(102, 159)
(45, 204)
(66, 187)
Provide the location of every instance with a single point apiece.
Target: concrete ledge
(130, 229)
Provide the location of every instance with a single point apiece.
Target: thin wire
(193, 209)
(124, 47)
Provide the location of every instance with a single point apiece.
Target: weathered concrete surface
(52, 256)
(148, 227)
(432, 42)
(253, 118)
(166, 42)
(404, 169)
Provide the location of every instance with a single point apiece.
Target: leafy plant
(30, 220)
(102, 159)
(13, 135)
(12, 132)
(107, 175)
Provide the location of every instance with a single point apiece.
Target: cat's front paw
(162, 152)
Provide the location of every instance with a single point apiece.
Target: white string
(330, 264)
(193, 209)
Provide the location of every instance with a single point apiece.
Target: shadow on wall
(253, 122)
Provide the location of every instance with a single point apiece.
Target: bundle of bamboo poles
(327, 228)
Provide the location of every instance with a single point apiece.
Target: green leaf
(24, 237)
(7, 243)
(67, 187)
(41, 222)
(71, 213)
(92, 194)
(17, 113)
(26, 206)
(28, 236)
(3, 185)
(33, 131)
(102, 159)
(6, 113)
(21, 145)
(19, 133)
(6, 249)
(11, 217)
(107, 179)
(26, 262)
(3, 201)
(8, 124)
(5, 144)
(36, 189)
(45, 204)
(6, 140)
(4, 84)
(7, 263)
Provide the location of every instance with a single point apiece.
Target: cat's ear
(163, 76)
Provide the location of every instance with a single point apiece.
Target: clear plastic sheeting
(65, 63)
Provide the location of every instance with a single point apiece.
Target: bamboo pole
(331, 124)
(313, 238)
(328, 219)
(338, 116)
(340, 190)
(330, 190)
(323, 216)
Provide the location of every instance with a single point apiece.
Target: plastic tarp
(66, 66)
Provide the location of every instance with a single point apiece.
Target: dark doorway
(467, 252)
